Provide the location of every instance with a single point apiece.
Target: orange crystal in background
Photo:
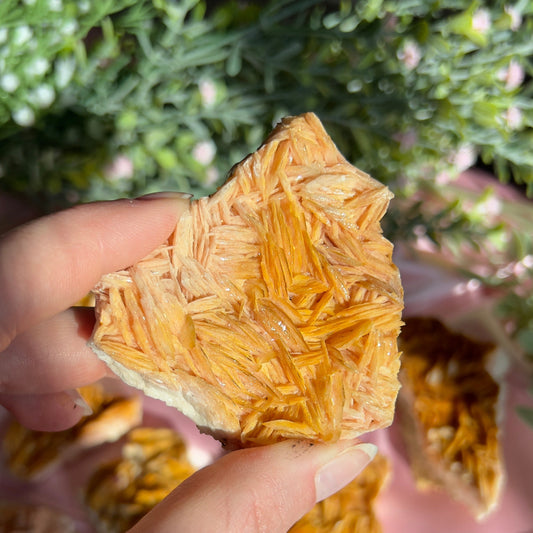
(153, 462)
(273, 310)
(33, 454)
(448, 410)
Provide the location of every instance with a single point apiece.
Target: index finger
(50, 263)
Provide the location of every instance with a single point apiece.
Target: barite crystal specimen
(449, 413)
(152, 464)
(273, 310)
(34, 455)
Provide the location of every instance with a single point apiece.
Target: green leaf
(526, 414)
(166, 158)
(234, 62)
(525, 339)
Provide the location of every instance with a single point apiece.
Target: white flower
(521, 268)
(84, 6)
(471, 285)
(527, 261)
(22, 35)
(9, 82)
(55, 5)
(481, 21)
(3, 35)
(69, 27)
(513, 118)
(464, 157)
(208, 92)
(443, 178)
(24, 116)
(120, 168)
(212, 176)
(64, 70)
(354, 86)
(490, 207)
(513, 75)
(204, 152)
(37, 67)
(410, 55)
(43, 96)
(516, 17)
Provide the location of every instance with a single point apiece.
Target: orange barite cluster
(19, 517)
(273, 311)
(153, 463)
(33, 454)
(449, 401)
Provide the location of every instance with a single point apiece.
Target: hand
(51, 263)
(258, 490)
(45, 267)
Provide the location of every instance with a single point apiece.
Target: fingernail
(342, 469)
(80, 403)
(166, 194)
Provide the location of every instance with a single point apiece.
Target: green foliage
(403, 87)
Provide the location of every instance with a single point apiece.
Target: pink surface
(401, 507)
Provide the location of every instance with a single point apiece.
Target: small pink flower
(443, 178)
(527, 261)
(410, 55)
(516, 17)
(204, 152)
(464, 157)
(211, 176)
(519, 269)
(407, 139)
(208, 92)
(513, 118)
(120, 168)
(481, 21)
(491, 207)
(513, 75)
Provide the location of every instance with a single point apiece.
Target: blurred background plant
(106, 98)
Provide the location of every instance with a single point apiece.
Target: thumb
(265, 489)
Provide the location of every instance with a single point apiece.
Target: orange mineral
(273, 310)
(449, 413)
(119, 493)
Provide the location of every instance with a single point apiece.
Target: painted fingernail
(342, 469)
(80, 403)
(166, 194)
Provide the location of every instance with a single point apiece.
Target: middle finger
(52, 356)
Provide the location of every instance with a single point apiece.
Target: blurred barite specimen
(449, 409)
(273, 310)
(36, 454)
(153, 462)
(17, 517)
